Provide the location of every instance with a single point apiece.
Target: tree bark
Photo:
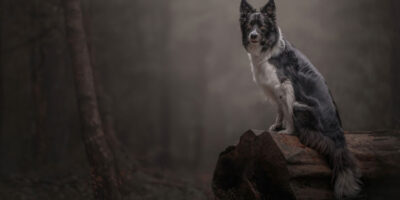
(395, 72)
(165, 85)
(124, 162)
(39, 101)
(103, 98)
(1, 81)
(200, 101)
(104, 175)
(277, 166)
(38, 93)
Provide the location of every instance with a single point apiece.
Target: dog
(305, 104)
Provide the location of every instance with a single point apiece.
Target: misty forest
(136, 99)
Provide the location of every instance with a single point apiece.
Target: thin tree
(200, 101)
(38, 93)
(1, 76)
(165, 82)
(395, 72)
(105, 178)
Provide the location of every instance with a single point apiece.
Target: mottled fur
(304, 101)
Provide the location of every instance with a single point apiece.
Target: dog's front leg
(287, 100)
(278, 124)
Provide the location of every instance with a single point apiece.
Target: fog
(178, 79)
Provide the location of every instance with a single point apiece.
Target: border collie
(305, 105)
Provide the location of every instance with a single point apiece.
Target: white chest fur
(282, 94)
(264, 74)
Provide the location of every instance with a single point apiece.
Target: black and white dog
(305, 105)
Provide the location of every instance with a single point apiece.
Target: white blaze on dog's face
(254, 35)
(259, 30)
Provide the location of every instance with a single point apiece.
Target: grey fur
(318, 124)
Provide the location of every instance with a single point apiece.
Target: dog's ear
(269, 9)
(245, 8)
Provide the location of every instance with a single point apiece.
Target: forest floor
(141, 184)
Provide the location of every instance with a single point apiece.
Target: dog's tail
(345, 174)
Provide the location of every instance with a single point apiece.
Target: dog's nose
(253, 36)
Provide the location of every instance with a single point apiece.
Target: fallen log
(277, 166)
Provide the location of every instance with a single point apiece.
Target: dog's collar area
(270, 53)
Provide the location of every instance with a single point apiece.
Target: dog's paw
(286, 131)
(276, 127)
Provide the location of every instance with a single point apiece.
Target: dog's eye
(249, 26)
(263, 29)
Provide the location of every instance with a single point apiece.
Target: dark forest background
(174, 82)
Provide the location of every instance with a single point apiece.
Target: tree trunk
(200, 101)
(1, 82)
(278, 166)
(103, 98)
(39, 104)
(123, 160)
(104, 175)
(38, 93)
(395, 72)
(165, 85)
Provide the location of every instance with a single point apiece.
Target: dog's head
(259, 29)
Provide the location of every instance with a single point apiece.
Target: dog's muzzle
(254, 36)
